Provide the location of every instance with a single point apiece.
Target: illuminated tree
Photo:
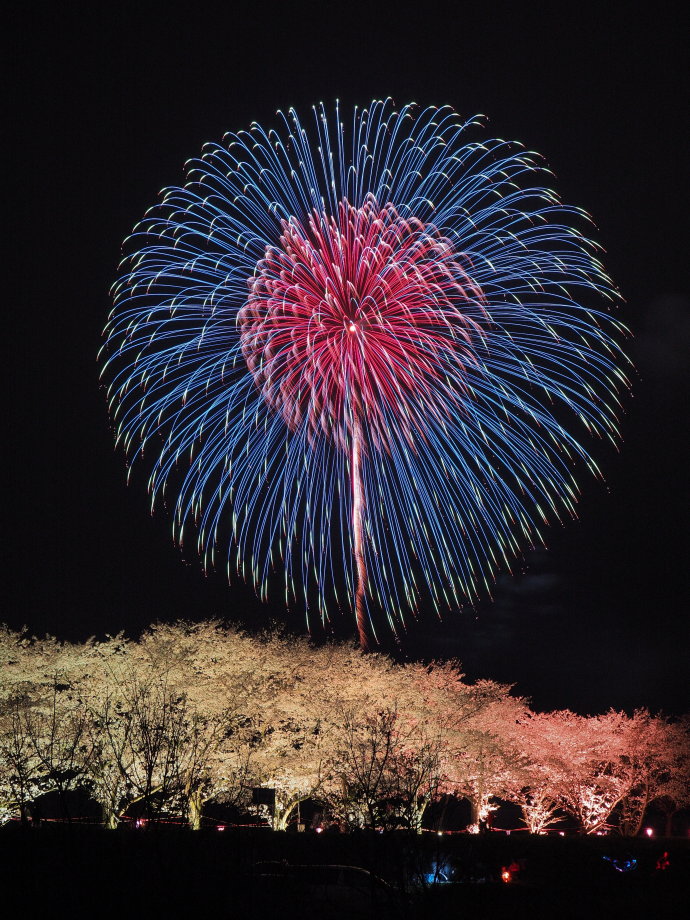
(580, 758)
(655, 761)
(535, 787)
(171, 721)
(21, 779)
(418, 772)
(141, 724)
(193, 713)
(44, 737)
(388, 769)
(476, 724)
(306, 717)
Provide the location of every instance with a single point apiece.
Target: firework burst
(367, 355)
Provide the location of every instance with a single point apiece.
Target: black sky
(108, 103)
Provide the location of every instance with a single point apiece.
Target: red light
(663, 862)
(505, 876)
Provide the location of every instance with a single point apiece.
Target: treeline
(195, 713)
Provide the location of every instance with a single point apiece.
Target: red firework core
(360, 315)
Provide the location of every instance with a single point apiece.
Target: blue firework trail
(368, 355)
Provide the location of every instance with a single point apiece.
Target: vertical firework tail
(358, 534)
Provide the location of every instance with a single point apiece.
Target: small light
(319, 830)
(440, 833)
(352, 327)
(505, 875)
(649, 831)
(561, 833)
(221, 827)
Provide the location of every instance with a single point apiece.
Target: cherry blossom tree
(213, 762)
(141, 723)
(535, 787)
(655, 760)
(169, 736)
(389, 768)
(304, 717)
(21, 778)
(199, 712)
(44, 743)
(476, 722)
(417, 768)
(579, 762)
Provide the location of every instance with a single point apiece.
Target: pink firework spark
(355, 323)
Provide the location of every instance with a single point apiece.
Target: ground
(76, 871)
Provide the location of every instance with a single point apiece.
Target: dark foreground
(78, 871)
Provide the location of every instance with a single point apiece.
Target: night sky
(110, 101)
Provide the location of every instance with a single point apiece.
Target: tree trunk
(480, 813)
(632, 812)
(194, 804)
(109, 817)
(282, 812)
(418, 809)
(24, 814)
(669, 814)
(475, 811)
